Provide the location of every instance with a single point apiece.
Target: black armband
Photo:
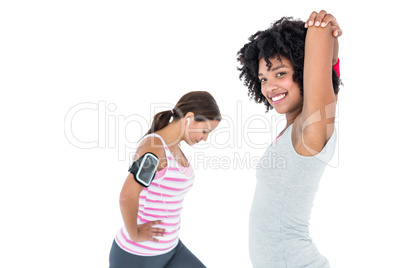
(144, 168)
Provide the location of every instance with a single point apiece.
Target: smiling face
(278, 87)
(198, 131)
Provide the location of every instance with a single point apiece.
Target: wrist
(132, 233)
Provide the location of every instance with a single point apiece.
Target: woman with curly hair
(289, 67)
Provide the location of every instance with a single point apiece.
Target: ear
(189, 116)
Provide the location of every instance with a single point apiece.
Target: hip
(179, 256)
(146, 248)
(292, 253)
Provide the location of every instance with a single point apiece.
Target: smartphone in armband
(144, 168)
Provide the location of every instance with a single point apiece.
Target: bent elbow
(125, 199)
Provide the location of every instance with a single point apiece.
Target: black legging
(179, 257)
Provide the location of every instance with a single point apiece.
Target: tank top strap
(165, 147)
(326, 153)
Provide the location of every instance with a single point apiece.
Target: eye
(280, 74)
(262, 80)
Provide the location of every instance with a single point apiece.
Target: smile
(278, 98)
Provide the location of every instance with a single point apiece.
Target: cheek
(194, 135)
(292, 87)
(198, 136)
(264, 91)
(297, 93)
(289, 83)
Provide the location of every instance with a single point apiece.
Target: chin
(285, 109)
(281, 111)
(189, 142)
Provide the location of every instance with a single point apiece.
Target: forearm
(323, 19)
(319, 54)
(129, 212)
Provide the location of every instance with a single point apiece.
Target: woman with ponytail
(151, 215)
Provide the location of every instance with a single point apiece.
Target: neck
(173, 133)
(292, 116)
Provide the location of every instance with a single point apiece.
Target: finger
(158, 230)
(320, 17)
(328, 19)
(310, 21)
(155, 222)
(336, 30)
(337, 33)
(157, 234)
(154, 239)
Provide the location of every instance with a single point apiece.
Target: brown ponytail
(160, 121)
(201, 103)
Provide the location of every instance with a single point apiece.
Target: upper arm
(131, 188)
(155, 146)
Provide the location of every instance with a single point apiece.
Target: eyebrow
(275, 68)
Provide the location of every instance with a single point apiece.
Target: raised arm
(319, 100)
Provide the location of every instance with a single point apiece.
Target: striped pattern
(162, 200)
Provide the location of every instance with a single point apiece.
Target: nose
(268, 87)
(272, 87)
(205, 137)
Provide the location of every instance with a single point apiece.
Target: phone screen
(148, 168)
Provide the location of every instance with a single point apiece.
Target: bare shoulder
(154, 145)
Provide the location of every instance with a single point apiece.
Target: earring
(188, 120)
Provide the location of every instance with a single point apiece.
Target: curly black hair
(285, 38)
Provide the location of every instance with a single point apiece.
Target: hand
(323, 19)
(146, 232)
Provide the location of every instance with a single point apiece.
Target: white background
(126, 59)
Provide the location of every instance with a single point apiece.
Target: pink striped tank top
(162, 200)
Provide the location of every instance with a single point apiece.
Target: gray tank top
(280, 213)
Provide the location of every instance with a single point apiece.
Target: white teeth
(276, 98)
